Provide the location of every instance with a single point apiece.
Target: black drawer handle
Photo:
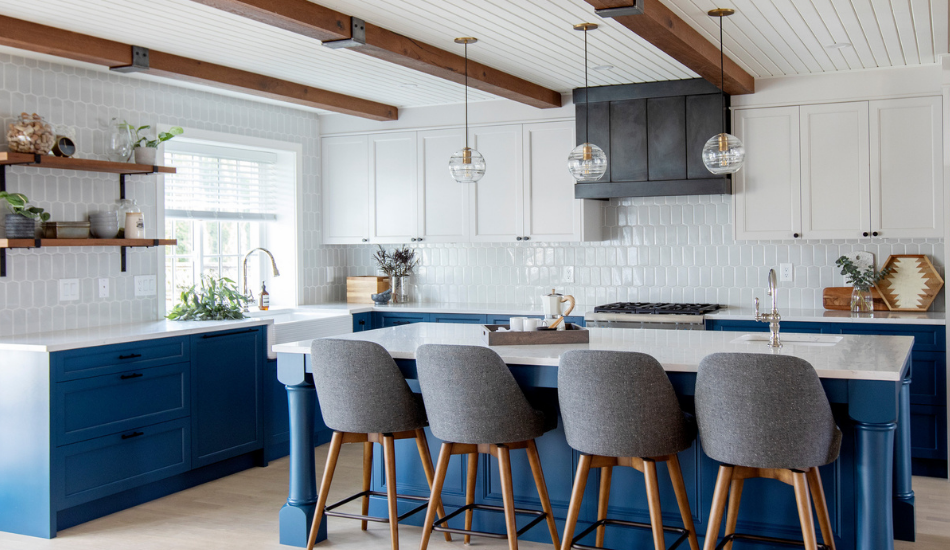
(220, 334)
(130, 356)
(399, 323)
(130, 376)
(131, 435)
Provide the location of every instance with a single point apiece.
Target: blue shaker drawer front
(114, 463)
(93, 407)
(87, 362)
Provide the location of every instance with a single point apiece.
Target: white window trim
(225, 139)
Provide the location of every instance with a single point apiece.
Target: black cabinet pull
(362, 323)
(131, 435)
(398, 323)
(796, 235)
(874, 233)
(130, 376)
(865, 234)
(232, 333)
(130, 356)
(517, 238)
(365, 240)
(419, 240)
(527, 238)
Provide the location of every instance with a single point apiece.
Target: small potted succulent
(862, 280)
(21, 223)
(146, 149)
(398, 265)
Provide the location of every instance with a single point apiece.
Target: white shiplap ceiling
(531, 39)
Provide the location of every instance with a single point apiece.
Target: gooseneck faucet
(772, 318)
(272, 263)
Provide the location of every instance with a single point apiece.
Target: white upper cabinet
(497, 200)
(768, 187)
(443, 202)
(835, 171)
(345, 183)
(392, 161)
(907, 168)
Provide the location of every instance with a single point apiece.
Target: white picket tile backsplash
(87, 100)
(663, 249)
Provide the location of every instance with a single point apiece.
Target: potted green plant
(216, 300)
(862, 280)
(21, 223)
(398, 265)
(146, 149)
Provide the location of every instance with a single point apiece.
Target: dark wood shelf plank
(86, 165)
(44, 243)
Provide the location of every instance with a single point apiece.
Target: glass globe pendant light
(466, 165)
(587, 162)
(723, 153)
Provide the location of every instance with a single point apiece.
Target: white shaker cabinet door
(443, 202)
(906, 168)
(497, 208)
(835, 171)
(345, 183)
(393, 187)
(768, 187)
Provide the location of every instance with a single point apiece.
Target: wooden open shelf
(85, 165)
(43, 243)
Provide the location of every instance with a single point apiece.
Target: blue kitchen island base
(868, 488)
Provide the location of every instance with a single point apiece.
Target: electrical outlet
(785, 272)
(103, 288)
(144, 285)
(568, 273)
(68, 290)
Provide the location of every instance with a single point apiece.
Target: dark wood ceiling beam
(313, 20)
(25, 35)
(659, 26)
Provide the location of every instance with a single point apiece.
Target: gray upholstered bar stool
(765, 416)
(364, 398)
(619, 409)
(476, 407)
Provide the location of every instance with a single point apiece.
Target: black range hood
(653, 134)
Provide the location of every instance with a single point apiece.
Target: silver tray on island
(572, 334)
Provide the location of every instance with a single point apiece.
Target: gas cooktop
(657, 308)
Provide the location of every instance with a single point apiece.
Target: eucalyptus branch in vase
(862, 280)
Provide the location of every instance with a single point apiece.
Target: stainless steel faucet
(272, 263)
(772, 318)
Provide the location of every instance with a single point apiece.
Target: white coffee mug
(516, 324)
(532, 324)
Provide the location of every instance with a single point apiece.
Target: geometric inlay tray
(912, 284)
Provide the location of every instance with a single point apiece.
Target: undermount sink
(293, 325)
(797, 339)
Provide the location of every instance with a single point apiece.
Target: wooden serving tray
(839, 298)
(572, 334)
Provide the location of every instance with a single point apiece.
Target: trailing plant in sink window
(215, 300)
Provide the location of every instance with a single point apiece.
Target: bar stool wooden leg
(470, 478)
(367, 478)
(335, 443)
(423, 445)
(507, 495)
(720, 493)
(803, 500)
(679, 487)
(653, 499)
(606, 473)
(389, 458)
(535, 461)
(732, 513)
(435, 498)
(577, 497)
(821, 507)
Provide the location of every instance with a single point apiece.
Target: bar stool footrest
(329, 509)
(683, 533)
(771, 540)
(437, 525)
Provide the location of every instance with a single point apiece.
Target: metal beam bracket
(357, 36)
(139, 61)
(635, 9)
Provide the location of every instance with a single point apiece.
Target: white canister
(134, 225)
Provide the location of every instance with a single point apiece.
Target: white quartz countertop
(852, 357)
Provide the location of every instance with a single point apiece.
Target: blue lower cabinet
(387, 319)
(473, 319)
(362, 321)
(227, 393)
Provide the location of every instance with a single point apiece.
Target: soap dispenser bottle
(264, 303)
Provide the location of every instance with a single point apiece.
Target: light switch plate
(103, 288)
(68, 290)
(785, 272)
(568, 274)
(144, 285)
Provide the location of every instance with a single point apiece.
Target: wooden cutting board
(840, 298)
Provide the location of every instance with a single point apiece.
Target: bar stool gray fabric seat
(765, 416)
(364, 398)
(475, 406)
(620, 409)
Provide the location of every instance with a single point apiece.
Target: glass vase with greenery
(398, 265)
(216, 300)
(862, 279)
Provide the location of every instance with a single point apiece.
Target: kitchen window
(223, 202)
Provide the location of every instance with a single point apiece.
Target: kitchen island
(863, 376)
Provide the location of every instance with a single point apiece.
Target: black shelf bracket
(122, 259)
(122, 180)
(3, 262)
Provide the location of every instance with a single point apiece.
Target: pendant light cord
(466, 94)
(722, 80)
(586, 95)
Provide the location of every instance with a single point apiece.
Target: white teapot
(552, 305)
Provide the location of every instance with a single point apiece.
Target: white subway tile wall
(86, 100)
(662, 249)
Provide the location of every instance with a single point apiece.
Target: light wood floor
(240, 512)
